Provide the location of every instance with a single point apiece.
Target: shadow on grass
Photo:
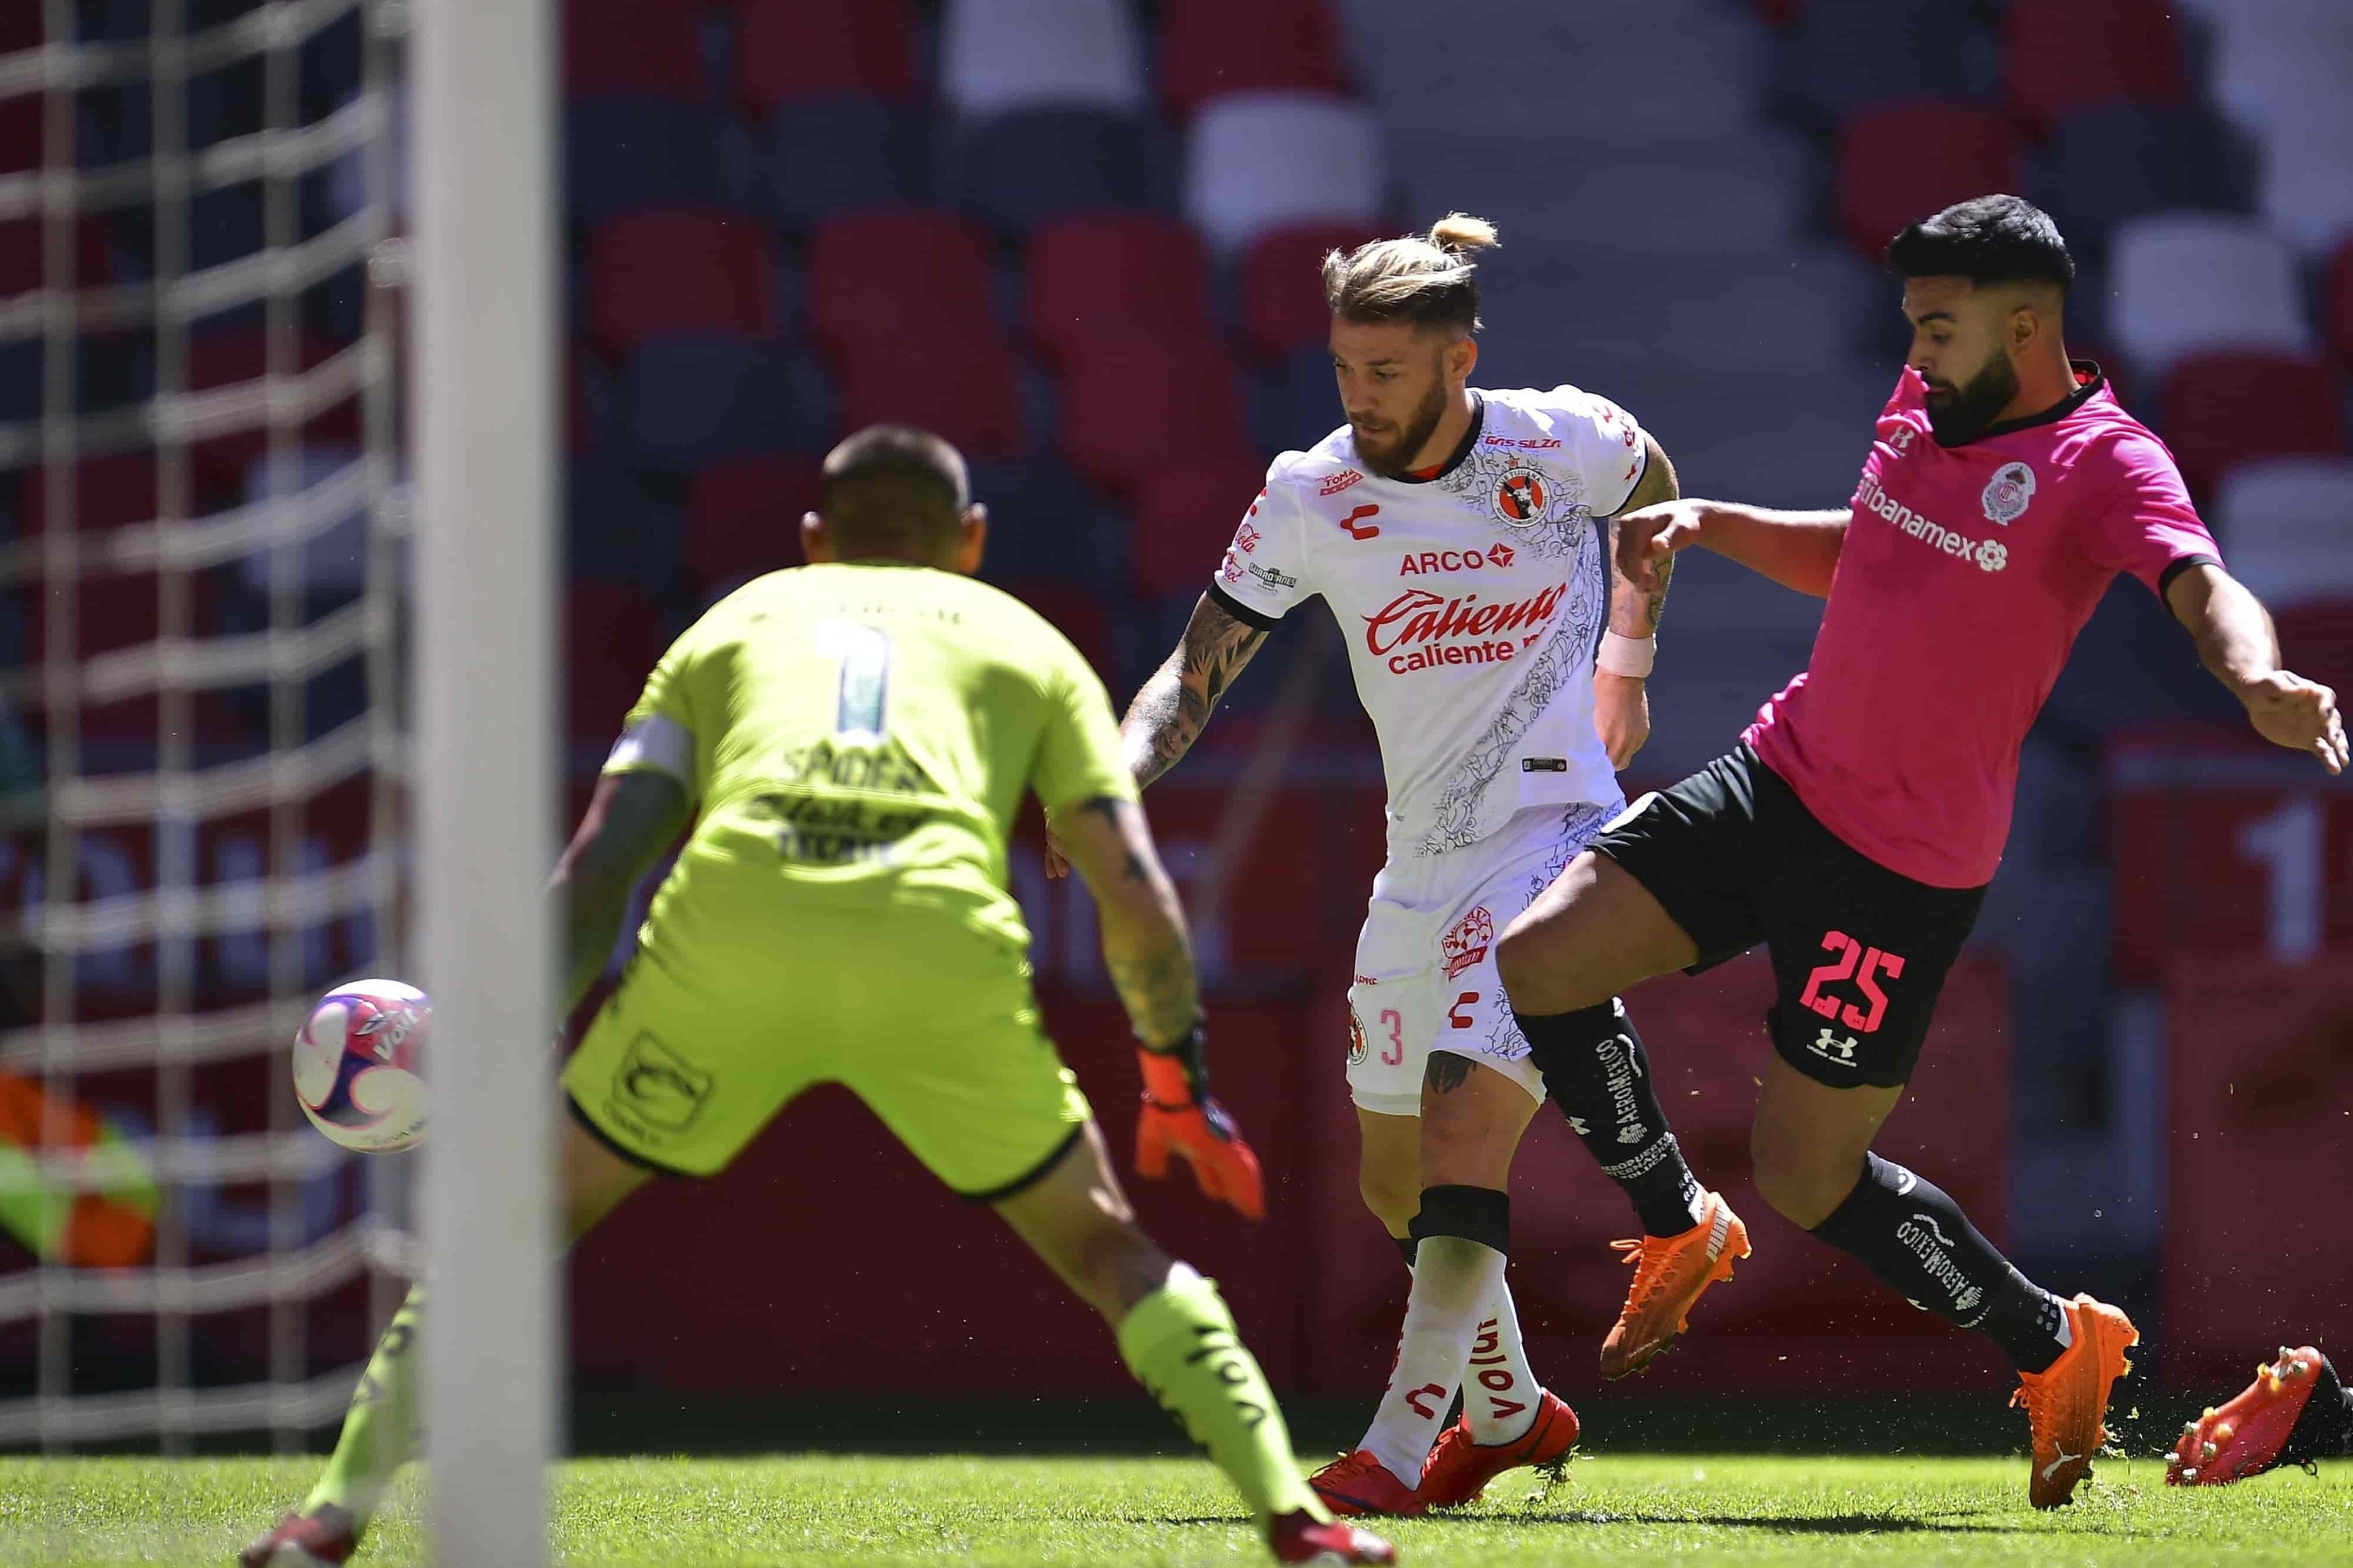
(1955, 1521)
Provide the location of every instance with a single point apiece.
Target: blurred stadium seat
(918, 268)
(2103, 167)
(626, 154)
(2337, 308)
(1841, 55)
(955, 379)
(1212, 47)
(1002, 54)
(821, 156)
(2189, 282)
(692, 399)
(2065, 57)
(1125, 272)
(1133, 405)
(1281, 286)
(695, 270)
(612, 636)
(1016, 169)
(1260, 161)
(787, 50)
(1897, 162)
(1184, 520)
(743, 518)
(638, 47)
(2283, 525)
(2222, 407)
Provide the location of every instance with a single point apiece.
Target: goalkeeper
(857, 735)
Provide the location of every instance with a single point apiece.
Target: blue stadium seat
(1016, 169)
(225, 226)
(1044, 527)
(617, 529)
(2107, 166)
(113, 370)
(1298, 403)
(690, 400)
(1846, 54)
(829, 154)
(625, 153)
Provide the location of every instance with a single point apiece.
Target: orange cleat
(1459, 1469)
(2288, 1416)
(2067, 1403)
(1362, 1484)
(320, 1539)
(1297, 1537)
(1670, 1273)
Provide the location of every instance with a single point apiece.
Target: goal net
(201, 593)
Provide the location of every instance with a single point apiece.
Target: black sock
(1407, 1246)
(1914, 1237)
(1595, 1069)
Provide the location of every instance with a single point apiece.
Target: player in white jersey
(1457, 537)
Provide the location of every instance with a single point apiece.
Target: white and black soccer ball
(359, 1066)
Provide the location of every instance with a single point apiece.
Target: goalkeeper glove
(1180, 1117)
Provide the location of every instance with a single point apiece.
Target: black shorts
(1859, 951)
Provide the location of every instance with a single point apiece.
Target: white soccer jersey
(1472, 604)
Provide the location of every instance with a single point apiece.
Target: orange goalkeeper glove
(1180, 1117)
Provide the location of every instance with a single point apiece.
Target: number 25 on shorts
(1866, 966)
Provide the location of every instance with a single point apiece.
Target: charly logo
(2008, 493)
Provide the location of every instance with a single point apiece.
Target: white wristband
(1627, 656)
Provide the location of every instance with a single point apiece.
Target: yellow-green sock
(379, 1431)
(1180, 1343)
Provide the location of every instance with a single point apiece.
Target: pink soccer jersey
(1964, 578)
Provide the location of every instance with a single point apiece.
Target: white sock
(1499, 1387)
(1454, 1280)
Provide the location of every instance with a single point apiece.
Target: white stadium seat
(1001, 55)
(1258, 161)
(2189, 282)
(2286, 527)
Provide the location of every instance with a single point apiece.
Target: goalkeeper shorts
(717, 1028)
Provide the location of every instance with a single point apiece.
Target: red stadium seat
(1184, 520)
(1077, 613)
(684, 271)
(788, 50)
(107, 492)
(1283, 286)
(1902, 162)
(22, 254)
(635, 47)
(1136, 408)
(2337, 310)
(2317, 640)
(2224, 408)
(612, 638)
(743, 518)
(1210, 47)
(2063, 56)
(1112, 271)
(954, 378)
(916, 266)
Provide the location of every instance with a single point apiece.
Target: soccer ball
(358, 1066)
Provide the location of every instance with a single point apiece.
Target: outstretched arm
(2236, 643)
(1798, 549)
(1621, 703)
(630, 820)
(1174, 706)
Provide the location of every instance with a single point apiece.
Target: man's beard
(1394, 458)
(1963, 413)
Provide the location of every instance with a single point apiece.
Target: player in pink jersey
(1856, 827)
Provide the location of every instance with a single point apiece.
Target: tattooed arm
(1142, 925)
(1621, 703)
(1174, 706)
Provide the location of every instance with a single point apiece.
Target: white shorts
(1425, 976)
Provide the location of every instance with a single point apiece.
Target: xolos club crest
(1520, 496)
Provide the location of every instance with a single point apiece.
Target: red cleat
(2284, 1417)
(1362, 1484)
(1297, 1537)
(1459, 1469)
(324, 1538)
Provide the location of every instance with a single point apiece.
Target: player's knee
(1394, 1196)
(1801, 1180)
(1539, 964)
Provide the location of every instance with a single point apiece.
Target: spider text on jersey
(1421, 630)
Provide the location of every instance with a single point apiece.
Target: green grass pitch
(814, 1510)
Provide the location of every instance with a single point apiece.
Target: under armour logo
(1837, 1048)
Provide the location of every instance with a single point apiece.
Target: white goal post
(486, 289)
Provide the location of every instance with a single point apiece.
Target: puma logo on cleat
(2064, 1459)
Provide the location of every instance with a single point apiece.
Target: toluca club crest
(2007, 492)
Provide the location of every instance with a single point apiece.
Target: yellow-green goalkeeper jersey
(867, 730)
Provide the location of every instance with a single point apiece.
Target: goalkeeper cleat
(1299, 1538)
(1360, 1483)
(324, 1537)
(1459, 1469)
(2067, 1402)
(1671, 1274)
(2293, 1413)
